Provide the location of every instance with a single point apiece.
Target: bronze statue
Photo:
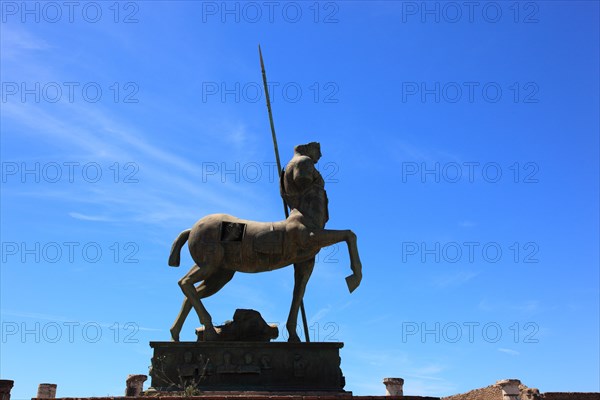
(221, 244)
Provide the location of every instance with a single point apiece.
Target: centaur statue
(222, 245)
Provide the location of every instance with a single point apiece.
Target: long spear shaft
(280, 170)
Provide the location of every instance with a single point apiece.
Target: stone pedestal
(394, 386)
(5, 388)
(46, 391)
(247, 366)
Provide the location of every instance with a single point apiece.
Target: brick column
(135, 385)
(5, 387)
(393, 386)
(46, 391)
(530, 394)
(510, 389)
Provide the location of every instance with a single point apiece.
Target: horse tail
(176, 248)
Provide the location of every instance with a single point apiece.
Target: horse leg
(328, 237)
(302, 272)
(197, 274)
(207, 288)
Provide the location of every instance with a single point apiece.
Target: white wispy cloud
(509, 351)
(422, 379)
(176, 192)
(320, 314)
(16, 41)
(84, 217)
(171, 189)
(237, 136)
(528, 306)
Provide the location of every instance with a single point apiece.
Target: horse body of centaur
(221, 245)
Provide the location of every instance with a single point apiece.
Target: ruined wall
(570, 396)
(242, 396)
(492, 392)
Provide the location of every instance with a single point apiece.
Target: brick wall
(255, 397)
(492, 392)
(571, 396)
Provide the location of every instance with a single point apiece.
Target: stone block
(247, 366)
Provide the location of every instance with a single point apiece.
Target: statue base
(247, 366)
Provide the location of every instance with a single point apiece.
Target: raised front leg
(328, 237)
(302, 272)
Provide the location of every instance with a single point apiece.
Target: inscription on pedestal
(250, 366)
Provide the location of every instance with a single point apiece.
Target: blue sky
(460, 144)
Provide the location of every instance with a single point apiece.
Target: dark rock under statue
(246, 326)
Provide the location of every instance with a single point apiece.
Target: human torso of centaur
(250, 246)
(303, 189)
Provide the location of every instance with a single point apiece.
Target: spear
(285, 208)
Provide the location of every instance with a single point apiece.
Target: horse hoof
(174, 335)
(353, 281)
(210, 335)
(294, 339)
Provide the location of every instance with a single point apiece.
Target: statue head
(312, 150)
